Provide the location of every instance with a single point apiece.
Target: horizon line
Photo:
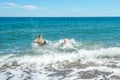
(59, 16)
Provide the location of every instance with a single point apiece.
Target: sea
(91, 51)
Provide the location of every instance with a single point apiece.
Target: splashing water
(92, 50)
(57, 60)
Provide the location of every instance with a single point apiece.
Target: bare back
(39, 41)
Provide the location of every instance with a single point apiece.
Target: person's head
(65, 40)
(39, 36)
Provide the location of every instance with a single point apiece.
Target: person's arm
(36, 40)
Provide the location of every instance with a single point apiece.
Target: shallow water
(92, 51)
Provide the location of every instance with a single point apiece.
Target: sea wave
(62, 61)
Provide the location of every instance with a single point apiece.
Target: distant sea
(92, 50)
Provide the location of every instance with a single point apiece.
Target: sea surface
(92, 50)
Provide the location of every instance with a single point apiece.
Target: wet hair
(39, 35)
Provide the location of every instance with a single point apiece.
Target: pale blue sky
(59, 8)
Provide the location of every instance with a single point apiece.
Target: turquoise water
(92, 50)
(19, 33)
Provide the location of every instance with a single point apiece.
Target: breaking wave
(57, 60)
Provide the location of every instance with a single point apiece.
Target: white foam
(57, 51)
(100, 56)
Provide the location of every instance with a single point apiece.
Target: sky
(59, 8)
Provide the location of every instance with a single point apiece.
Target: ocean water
(92, 50)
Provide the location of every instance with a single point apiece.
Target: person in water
(65, 40)
(40, 40)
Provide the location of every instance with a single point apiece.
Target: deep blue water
(18, 33)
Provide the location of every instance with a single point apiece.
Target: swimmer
(65, 40)
(39, 40)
